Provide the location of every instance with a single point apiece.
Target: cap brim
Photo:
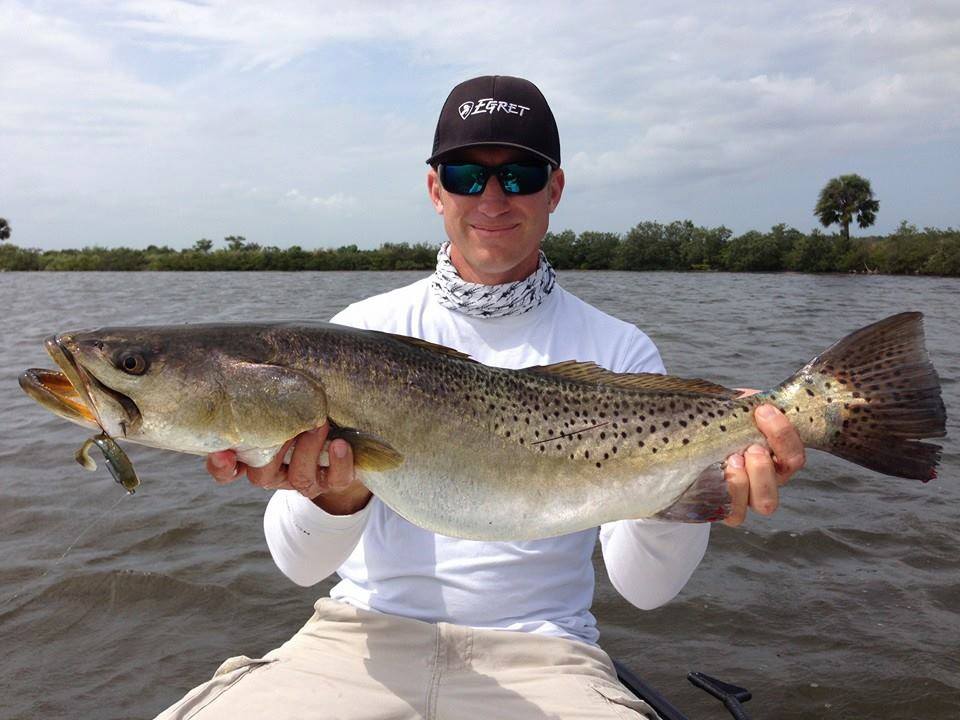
(438, 157)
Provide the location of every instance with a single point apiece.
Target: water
(846, 603)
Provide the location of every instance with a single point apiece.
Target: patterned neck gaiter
(487, 301)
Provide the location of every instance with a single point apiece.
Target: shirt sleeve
(306, 543)
(649, 561)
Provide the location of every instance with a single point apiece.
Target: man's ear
(433, 190)
(556, 188)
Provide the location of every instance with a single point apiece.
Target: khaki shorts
(349, 663)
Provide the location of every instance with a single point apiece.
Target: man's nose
(493, 200)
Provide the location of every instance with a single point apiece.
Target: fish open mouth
(54, 391)
(70, 393)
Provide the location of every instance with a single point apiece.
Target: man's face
(495, 237)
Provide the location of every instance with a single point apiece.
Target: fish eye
(132, 363)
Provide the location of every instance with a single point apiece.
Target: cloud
(336, 202)
(153, 107)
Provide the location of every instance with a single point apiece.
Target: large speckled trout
(473, 451)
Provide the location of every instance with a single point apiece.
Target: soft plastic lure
(117, 461)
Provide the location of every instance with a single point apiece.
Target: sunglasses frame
(494, 171)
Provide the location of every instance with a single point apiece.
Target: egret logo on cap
(490, 105)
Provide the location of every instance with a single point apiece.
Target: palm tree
(844, 198)
(4, 229)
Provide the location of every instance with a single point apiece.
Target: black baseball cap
(497, 110)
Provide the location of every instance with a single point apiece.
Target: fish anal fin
(593, 374)
(369, 451)
(706, 500)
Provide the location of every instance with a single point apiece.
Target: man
(423, 625)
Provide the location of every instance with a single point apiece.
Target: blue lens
(466, 179)
(514, 178)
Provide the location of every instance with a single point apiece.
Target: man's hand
(335, 489)
(754, 476)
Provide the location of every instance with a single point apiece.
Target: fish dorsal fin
(592, 374)
(432, 347)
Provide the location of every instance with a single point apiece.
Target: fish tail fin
(871, 398)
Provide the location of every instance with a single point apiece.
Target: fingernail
(767, 412)
(758, 450)
(219, 461)
(735, 461)
(340, 450)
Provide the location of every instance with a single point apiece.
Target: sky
(298, 122)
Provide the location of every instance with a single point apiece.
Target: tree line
(677, 246)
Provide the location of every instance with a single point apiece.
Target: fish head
(196, 389)
(138, 386)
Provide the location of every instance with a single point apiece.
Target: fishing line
(97, 518)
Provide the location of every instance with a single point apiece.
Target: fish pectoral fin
(705, 500)
(369, 451)
(593, 374)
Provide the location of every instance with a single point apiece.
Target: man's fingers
(764, 497)
(340, 474)
(303, 473)
(783, 439)
(738, 485)
(223, 466)
(272, 474)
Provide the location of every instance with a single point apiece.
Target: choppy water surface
(845, 604)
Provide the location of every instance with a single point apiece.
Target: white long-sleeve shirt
(389, 565)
